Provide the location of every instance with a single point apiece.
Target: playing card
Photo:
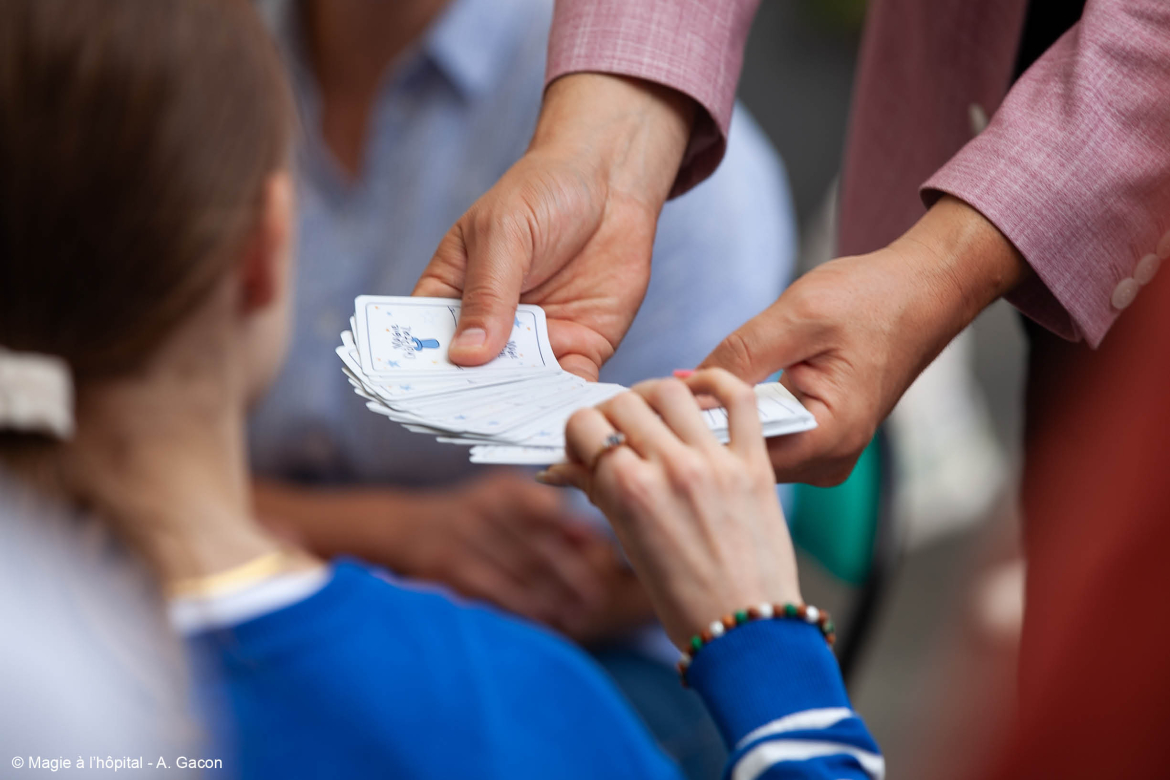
(403, 336)
(395, 391)
(512, 410)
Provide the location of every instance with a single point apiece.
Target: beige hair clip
(36, 394)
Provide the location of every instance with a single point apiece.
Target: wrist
(963, 257)
(634, 132)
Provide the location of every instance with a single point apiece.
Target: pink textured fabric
(923, 63)
(694, 46)
(1074, 168)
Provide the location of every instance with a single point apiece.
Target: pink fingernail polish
(683, 373)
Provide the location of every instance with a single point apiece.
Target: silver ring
(612, 442)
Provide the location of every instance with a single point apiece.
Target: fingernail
(554, 477)
(470, 338)
(683, 373)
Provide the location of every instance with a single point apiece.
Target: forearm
(635, 131)
(692, 46)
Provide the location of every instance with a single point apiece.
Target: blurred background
(937, 668)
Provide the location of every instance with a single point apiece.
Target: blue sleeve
(775, 691)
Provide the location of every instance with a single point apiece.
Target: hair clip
(36, 394)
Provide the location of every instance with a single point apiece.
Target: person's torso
(370, 677)
(451, 118)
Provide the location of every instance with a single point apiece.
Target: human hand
(853, 334)
(504, 539)
(570, 226)
(699, 521)
(500, 538)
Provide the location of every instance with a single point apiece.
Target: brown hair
(135, 139)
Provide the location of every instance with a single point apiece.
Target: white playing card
(512, 410)
(394, 391)
(548, 429)
(517, 456)
(780, 414)
(466, 400)
(409, 336)
(487, 416)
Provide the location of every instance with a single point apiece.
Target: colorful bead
(724, 624)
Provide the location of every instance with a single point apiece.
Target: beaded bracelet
(718, 628)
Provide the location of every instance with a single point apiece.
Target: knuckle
(813, 301)
(480, 221)
(577, 422)
(688, 473)
(742, 394)
(626, 402)
(666, 390)
(646, 386)
(636, 486)
(488, 297)
(738, 352)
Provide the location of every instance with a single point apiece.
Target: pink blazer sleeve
(693, 46)
(1075, 167)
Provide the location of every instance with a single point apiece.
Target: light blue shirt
(451, 117)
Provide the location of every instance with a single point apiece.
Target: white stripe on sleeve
(799, 721)
(766, 754)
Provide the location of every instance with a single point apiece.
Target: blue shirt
(452, 115)
(370, 678)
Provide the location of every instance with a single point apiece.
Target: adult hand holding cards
(513, 409)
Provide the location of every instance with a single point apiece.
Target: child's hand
(699, 521)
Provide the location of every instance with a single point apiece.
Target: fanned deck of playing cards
(512, 410)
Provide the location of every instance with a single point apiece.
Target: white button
(979, 120)
(1146, 268)
(1124, 293)
(1164, 246)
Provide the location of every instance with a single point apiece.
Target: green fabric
(836, 525)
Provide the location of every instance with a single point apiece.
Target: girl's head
(143, 186)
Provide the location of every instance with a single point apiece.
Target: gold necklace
(259, 568)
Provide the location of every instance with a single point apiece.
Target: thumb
(763, 345)
(496, 261)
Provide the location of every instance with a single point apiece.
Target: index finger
(739, 399)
